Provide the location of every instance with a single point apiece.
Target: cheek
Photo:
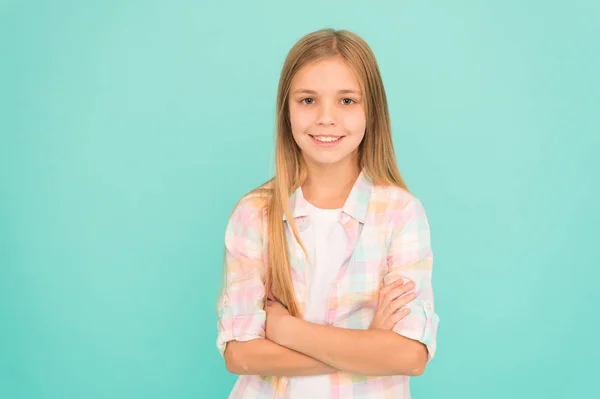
(300, 120)
(355, 122)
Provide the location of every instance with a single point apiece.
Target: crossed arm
(291, 346)
(297, 352)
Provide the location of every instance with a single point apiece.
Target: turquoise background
(129, 129)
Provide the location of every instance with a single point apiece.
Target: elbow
(231, 355)
(416, 370)
(414, 361)
(418, 361)
(413, 369)
(241, 356)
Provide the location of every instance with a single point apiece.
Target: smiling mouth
(326, 139)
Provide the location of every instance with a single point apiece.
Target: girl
(327, 290)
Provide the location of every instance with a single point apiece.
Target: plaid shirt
(389, 239)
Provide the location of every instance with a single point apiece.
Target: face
(327, 113)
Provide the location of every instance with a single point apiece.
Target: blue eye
(305, 99)
(348, 101)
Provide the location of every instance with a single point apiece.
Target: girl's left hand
(277, 315)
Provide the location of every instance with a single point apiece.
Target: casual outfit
(379, 236)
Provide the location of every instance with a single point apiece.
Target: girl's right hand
(389, 307)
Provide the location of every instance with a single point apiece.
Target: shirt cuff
(240, 328)
(421, 325)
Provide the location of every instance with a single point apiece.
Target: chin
(326, 161)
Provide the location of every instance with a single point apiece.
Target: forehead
(330, 74)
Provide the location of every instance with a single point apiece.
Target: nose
(326, 115)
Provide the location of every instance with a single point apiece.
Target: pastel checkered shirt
(389, 239)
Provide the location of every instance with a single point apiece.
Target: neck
(328, 187)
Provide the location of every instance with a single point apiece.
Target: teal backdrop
(129, 129)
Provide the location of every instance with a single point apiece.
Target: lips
(328, 137)
(327, 144)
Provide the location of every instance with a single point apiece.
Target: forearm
(264, 357)
(365, 352)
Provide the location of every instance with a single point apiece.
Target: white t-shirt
(326, 243)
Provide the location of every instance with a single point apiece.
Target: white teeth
(326, 139)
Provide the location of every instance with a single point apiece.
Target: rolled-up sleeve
(410, 257)
(240, 310)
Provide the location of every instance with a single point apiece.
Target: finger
(400, 302)
(402, 288)
(394, 318)
(399, 315)
(385, 290)
(395, 293)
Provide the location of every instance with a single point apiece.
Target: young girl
(327, 290)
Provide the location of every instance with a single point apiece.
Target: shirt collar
(356, 204)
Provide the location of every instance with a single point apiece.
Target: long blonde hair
(375, 153)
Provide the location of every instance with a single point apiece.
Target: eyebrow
(313, 92)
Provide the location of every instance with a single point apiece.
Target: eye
(348, 101)
(307, 101)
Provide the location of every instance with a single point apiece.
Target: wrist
(285, 334)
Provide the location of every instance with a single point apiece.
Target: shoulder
(395, 200)
(402, 213)
(256, 199)
(399, 209)
(250, 209)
